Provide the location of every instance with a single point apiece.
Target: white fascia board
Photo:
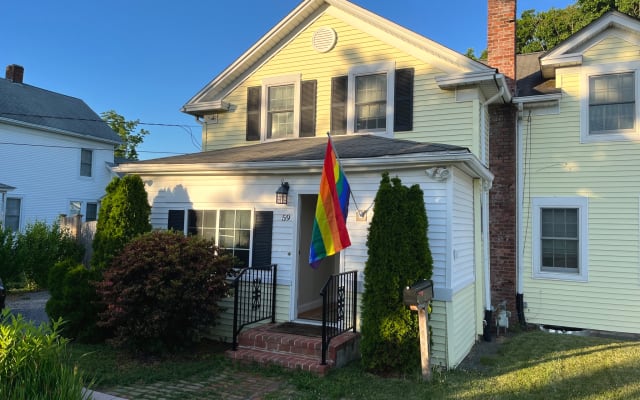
(543, 98)
(451, 82)
(466, 161)
(548, 65)
(201, 108)
(43, 128)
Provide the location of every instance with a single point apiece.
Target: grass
(531, 365)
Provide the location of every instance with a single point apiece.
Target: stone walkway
(236, 386)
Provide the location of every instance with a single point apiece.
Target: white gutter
(470, 162)
(519, 208)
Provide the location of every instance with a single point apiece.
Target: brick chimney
(501, 38)
(15, 73)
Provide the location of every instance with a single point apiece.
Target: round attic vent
(324, 39)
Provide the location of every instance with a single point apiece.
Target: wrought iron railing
(339, 307)
(254, 297)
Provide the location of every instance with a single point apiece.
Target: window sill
(560, 276)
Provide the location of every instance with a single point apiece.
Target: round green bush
(162, 291)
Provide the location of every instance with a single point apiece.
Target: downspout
(520, 231)
(488, 307)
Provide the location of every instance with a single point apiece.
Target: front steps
(267, 344)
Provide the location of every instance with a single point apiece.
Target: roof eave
(58, 131)
(548, 65)
(485, 79)
(467, 161)
(201, 109)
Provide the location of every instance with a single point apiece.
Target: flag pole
(335, 151)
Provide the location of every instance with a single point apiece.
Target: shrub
(398, 256)
(74, 299)
(34, 363)
(162, 291)
(124, 214)
(41, 246)
(9, 270)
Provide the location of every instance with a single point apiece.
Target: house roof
(529, 79)
(27, 105)
(5, 188)
(212, 95)
(310, 149)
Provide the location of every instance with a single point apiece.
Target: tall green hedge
(124, 214)
(398, 256)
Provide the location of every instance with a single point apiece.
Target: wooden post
(424, 343)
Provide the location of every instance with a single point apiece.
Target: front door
(311, 281)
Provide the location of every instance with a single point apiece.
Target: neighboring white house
(55, 154)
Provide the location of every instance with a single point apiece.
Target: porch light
(282, 194)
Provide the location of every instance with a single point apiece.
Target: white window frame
(579, 203)
(293, 79)
(620, 135)
(92, 163)
(20, 212)
(387, 68)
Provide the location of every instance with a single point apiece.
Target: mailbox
(418, 295)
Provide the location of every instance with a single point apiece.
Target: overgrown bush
(74, 299)
(41, 246)
(162, 291)
(398, 256)
(34, 363)
(9, 269)
(124, 214)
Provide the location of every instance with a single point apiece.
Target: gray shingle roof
(5, 188)
(529, 76)
(352, 146)
(32, 105)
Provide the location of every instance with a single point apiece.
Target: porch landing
(294, 346)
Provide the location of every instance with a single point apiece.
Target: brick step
(285, 360)
(263, 338)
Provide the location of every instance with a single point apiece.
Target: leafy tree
(541, 31)
(398, 256)
(125, 129)
(471, 54)
(124, 214)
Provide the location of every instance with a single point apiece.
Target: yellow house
(579, 196)
(393, 101)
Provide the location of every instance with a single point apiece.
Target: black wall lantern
(282, 194)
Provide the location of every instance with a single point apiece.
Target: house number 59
(286, 217)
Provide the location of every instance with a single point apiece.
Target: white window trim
(93, 161)
(384, 67)
(294, 79)
(623, 135)
(21, 212)
(581, 203)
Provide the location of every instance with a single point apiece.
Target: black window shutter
(262, 238)
(176, 220)
(339, 105)
(308, 109)
(254, 97)
(403, 100)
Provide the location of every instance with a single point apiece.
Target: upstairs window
(611, 103)
(283, 107)
(86, 162)
(280, 112)
(372, 98)
(371, 102)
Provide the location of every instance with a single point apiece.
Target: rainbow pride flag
(330, 234)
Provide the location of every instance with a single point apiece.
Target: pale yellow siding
(461, 325)
(438, 334)
(438, 117)
(557, 164)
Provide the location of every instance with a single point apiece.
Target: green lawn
(530, 365)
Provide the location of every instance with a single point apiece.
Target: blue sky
(146, 58)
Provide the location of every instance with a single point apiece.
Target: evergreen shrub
(398, 256)
(162, 291)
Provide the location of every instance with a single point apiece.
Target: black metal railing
(339, 307)
(254, 297)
